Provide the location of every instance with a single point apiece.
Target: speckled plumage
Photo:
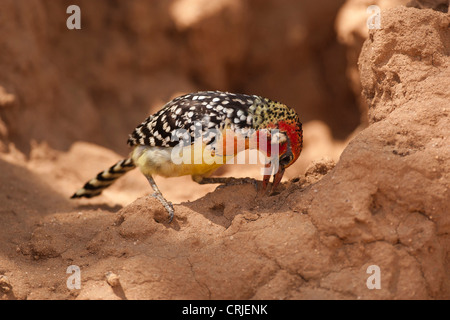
(205, 115)
(208, 110)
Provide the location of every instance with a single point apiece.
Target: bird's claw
(166, 204)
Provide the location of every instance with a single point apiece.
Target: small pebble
(5, 285)
(112, 279)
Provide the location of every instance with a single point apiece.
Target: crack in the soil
(202, 285)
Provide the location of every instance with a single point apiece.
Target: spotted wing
(195, 115)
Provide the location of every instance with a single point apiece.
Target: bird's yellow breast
(197, 159)
(174, 162)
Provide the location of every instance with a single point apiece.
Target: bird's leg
(266, 178)
(228, 181)
(158, 195)
(276, 179)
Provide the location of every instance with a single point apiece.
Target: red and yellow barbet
(268, 126)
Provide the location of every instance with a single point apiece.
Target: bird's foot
(166, 204)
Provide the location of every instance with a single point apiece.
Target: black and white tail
(104, 179)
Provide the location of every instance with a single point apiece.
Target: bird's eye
(285, 158)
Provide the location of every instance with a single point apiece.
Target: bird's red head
(291, 146)
(289, 142)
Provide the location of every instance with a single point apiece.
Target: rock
(438, 5)
(112, 279)
(318, 169)
(5, 285)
